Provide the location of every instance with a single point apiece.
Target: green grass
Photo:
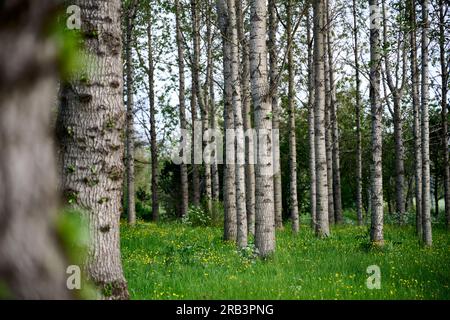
(175, 261)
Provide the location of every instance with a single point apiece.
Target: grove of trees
(322, 113)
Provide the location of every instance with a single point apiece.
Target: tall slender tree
(312, 155)
(229, 181)
(241, 212)
(210, 88)
(417, 119)
(328, 125)
(273, 75)
(322, 223)
(396, 88)
(195, 100)
(153, 138)
(181, 98)
(334, 127)
(359, 205)
(445, 65)
(130, 16)
(376, 231)
(426, 202)
(264, 211)
(247, 117)
(293, 203)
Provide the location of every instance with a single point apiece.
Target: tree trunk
(229, 181)
(336, 159)
(183, 166)
(194, 101)
(426, 216)
(359, 206)
(215, 192)
(312, 155)
(154, 142)
(246, 113)
(32, 264)
(397, 93)
(376, 232)
(264, 213)
(328, 133)
(241, 212)
(131, 207)
(215, 189)
(444, 92)
(273, 68)
(417, 120)
(322, 226)
(91, 122)
(293, 203)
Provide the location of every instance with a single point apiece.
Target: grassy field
(175, 261)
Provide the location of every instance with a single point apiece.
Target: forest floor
(176, 261)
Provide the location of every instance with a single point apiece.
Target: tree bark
(154, 142)
(241, 212)
(336, 159)
(312, 155)
(322, 226)
(426, 216)
(359, 205)
(211, 103)
(376, 232)
(328, 126)
(32, 264)
(264, 211)
(397, 93)
(181, 93)
(91, 122)
(444, 92)
(131, 206)
(246, 113)
(273, 75)
(229, 187)
(417, 120)
(215, 192)
(293, 203)
(195, 100)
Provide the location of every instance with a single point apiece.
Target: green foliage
(178, 261)
(73, 232)
(68, 45)
(196, 217)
